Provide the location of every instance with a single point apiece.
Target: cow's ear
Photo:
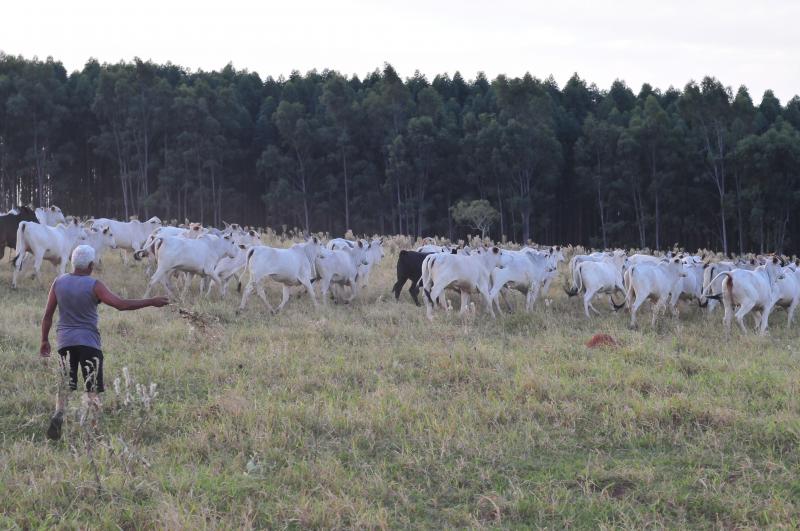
(752, 261)
(360, 244)
(495, 250)
(242, 246)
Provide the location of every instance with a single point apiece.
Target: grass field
(369, 416)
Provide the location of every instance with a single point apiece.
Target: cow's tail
(716, 296)
(629, 291)
(577, 282)
(727, 289)
(246, 268)
(20, 250)
(425, 277)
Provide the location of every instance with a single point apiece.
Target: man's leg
(67, 382)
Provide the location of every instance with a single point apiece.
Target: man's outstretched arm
(106, 296)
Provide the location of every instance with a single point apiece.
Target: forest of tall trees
(704, 166)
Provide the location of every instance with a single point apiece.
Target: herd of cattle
(342, 267)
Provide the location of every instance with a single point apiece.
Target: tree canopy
(703, 166)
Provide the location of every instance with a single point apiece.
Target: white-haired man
(77, 295)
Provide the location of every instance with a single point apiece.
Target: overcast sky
(664, 43)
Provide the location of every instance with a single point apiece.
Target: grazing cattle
(554, 257)
(466, 273)
(341, 267)
(9, 223)
(54, 244)
(654, 281)
(787, 291)
(129, 235)
(526, 272)
(100, 239)
(603, 276)
(160, 232)
(593, 257)
(50, 216)
(197, 256)
(291, 267)
(750, 290)
(409, 267)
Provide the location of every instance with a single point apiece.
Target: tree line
(701, 167)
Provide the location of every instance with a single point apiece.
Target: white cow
(129, 235)
(341, 267)
(525, 272)
(54, 244)
(787, 291)
(100, 239)
(291, 267)
(750, 290)
(228, 268)
(601, 276)
(50, 216)
(654, 281)
(197, 256)
(466, 273)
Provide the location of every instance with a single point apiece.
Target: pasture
(368, 415)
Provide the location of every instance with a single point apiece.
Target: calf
(656, 282)
(341, 266)
(54, 244)
(9, 223)
(603, 276)
(100, 239)
(409, 267)
(291, 267)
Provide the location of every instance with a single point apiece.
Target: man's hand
(158, 302)
(44, 350)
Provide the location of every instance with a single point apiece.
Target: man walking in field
(77, 295)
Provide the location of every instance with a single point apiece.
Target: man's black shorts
(91, 363)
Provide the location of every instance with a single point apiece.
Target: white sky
(664, 43)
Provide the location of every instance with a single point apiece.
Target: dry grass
(367, 415)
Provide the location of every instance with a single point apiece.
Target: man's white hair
(82, 256)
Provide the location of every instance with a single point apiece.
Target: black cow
(9, 224)
(409, 267)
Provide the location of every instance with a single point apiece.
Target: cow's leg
(284, 298)
(157, 277)
(324, 287)
(635, 308)
(504, 295)
(398, 287)
(484, 291)
(435, 293)
(727, 317)
(659, 307)
(744, 309)
(790, 311)
(263, 296)
(533, 294)
(37, 267)
(464, 302)
(248, 290)
(310, 289)
(414, 291)
(765, 319)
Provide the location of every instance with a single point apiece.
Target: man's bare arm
(47, 321)
(106, 296)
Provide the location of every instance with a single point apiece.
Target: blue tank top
(77, 312)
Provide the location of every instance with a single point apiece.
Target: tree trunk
(346, 192)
